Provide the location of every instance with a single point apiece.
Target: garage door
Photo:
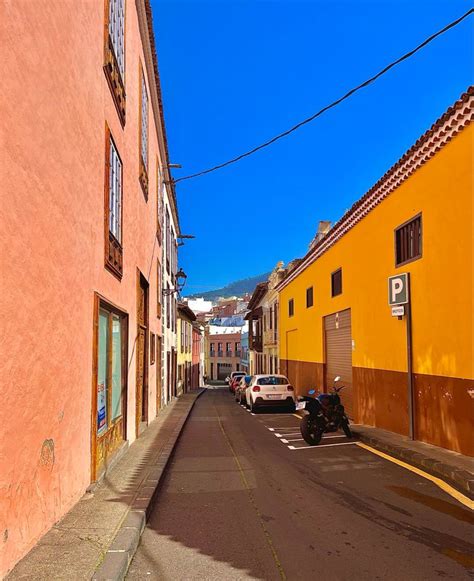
(338, 343)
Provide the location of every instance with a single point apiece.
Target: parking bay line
(300, 439)
(321, 446)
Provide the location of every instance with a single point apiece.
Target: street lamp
(180, 282)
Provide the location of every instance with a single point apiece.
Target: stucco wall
(55, 102)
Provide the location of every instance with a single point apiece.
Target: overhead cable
(331, 105)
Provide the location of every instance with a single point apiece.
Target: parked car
(234, 375)
(241, 387)
(270, 390)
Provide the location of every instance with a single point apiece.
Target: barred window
(115, 193)
(408, 241)
(336, 283)
(117, 31)
(144, 126)
(291, 307)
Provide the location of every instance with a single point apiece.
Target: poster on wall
(101, 408)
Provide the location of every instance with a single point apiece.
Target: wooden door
(338, 344)
(142, 355)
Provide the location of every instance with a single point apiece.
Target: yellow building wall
(441, 280)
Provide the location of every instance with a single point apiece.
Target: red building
(224, 353)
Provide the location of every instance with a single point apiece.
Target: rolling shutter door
(338, 341)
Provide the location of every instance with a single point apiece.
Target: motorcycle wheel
(310, 433)
(346, 428)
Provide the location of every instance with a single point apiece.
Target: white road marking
(289, 434)
(286, 441)
(321, 446)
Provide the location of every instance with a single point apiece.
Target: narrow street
(244, 498)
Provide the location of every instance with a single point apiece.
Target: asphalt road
(239, 503)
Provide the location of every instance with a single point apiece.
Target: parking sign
(398, 292)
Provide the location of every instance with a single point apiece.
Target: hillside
(237, 288)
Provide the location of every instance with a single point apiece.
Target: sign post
(399, 301)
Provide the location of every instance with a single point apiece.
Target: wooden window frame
(309, 297)
(152, 348)
(113, 250)
(419, 217)
(115, 79)
(291, 307)
(333, 289)
(143, 164)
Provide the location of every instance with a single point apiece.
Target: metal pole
(411, 418)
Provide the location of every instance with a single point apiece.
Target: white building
(169, 268)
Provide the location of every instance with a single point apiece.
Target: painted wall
(442, 304)
(55, 102)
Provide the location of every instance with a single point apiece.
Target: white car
(270, 390)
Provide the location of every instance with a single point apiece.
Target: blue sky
(235, 73)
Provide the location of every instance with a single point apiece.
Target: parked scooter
(326, 414)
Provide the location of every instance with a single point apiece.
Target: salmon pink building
(83, 176)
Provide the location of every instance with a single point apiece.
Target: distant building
(198, 305)
(185, 342)
(223, 351)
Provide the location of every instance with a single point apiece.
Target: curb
(461, 480)
(119, 555)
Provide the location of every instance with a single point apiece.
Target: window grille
(115, 193)
(336, 282)
(408, 240)
(144, 128)
(117, 31)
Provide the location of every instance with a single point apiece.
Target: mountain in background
(234, 289)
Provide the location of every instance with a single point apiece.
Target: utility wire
(331, 105)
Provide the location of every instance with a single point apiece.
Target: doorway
(142, 354)
(109, 385)
(338, 347)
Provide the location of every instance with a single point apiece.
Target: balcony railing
(228, 353)
(238, 354)
(270, 337)
(220, 353)
(212, 353)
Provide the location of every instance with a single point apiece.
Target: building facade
(223, 345)
(197, 375)
(84, 142)
(169, 268)
(254, 317)
(335, 317)
(185, 348)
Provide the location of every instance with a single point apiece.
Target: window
(212, 350)
(273, 380)
(219, 349)
(408, 241)
(336, 282)
(159, 200)
(291, 307)
(114, 54)
(111, 377)
(143, 136)
(159, 287)
(113, 209)
(152, 348)
(168, 240)
(309, 297)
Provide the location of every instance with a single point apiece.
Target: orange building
(83, 174)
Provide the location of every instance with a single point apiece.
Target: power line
(331, 105)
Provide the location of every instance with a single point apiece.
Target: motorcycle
(326, 414)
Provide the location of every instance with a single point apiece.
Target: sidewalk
(455, 469)
(98, 536)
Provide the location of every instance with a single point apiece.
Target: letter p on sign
(398, 290)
